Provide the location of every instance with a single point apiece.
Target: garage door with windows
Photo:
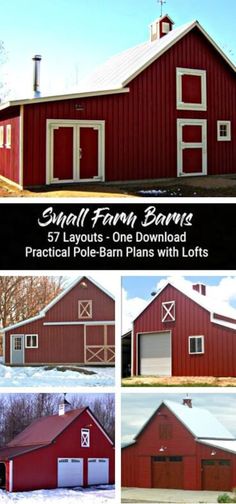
(155, 353)
(70, 472)
(167, 472)
(98, 471)
(216, 474)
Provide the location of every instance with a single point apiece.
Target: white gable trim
(99, 426)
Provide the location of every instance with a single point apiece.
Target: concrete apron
(159, 496)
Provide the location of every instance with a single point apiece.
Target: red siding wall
(9, 158)
(65, 343)
(27, 475)
(136, 459)
(190, 320)
(141, 125)
(103, 307)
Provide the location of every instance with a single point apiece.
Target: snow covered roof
(43, 312)
(200, 422)
(213, 306)
(223, 445)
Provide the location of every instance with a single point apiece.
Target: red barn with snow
(184, 332)
(162, 109)
(181, 447)
(66, 450)
(78, 326)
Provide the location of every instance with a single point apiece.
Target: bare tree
(23, 297)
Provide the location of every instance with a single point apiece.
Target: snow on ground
(102, 494)
(39, 377)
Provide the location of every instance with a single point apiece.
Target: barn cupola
(64, 406)
(160, 27)
(200, 288)
(187, 401)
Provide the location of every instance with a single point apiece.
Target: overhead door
(216, 474)
(155, 354)
(70, 472)
(167, 472)
(98, 471)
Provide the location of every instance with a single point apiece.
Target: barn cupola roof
(160, 27)
(187, 401)
(64, 406)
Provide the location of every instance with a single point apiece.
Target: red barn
(184, 332)
(181, 447)
(78, 326)
(162, 109)
(66, 450)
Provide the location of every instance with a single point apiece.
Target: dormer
(160, 27)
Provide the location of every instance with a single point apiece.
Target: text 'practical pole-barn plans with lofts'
(78, 326)
(164, 108)
(65, 450)
(181, 447)
(182, 331)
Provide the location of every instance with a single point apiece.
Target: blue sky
(74, 36)
(137, 408)
(137, 290)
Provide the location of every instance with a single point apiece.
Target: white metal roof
(200, 422)
(55, 300)
(119, 70)
(223, 445)
(210, 304)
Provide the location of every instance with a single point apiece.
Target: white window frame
(1, 137)
(180, 105)
(8, 136)
(226, 138)
(85, 309)
(30, 345)
(165, 27)
(85, 438)
(168, 311)
(202, 344)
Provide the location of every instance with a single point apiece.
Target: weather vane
(162, 2)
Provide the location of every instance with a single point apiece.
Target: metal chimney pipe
(36, 77)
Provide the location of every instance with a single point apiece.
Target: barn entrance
(98, 471)
(70, 472)
(167, 472)
(2, 475)
(155, 354)
(99, 344)
(191, 147)
(216, 475)
(75, 151)
(17, 349)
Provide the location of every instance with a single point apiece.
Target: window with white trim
(8, 136)
(165, 27)
(223, 131)
(1, 137)
(85, 309)
(168, 311)
(31, 341)
(196, 344)
(85, 438)
(191, 93)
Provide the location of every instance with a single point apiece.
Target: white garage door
(70, 472)
(155, 354)
(98, 471)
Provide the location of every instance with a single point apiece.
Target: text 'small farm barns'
(191, 451)
(164, 108)
(78, 326)
(183, 332)
(66, 450)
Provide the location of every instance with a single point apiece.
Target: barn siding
(139, 455)
(66, 310)
(10, 157)
(141, 126)
(190, 320)
(27, 475)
